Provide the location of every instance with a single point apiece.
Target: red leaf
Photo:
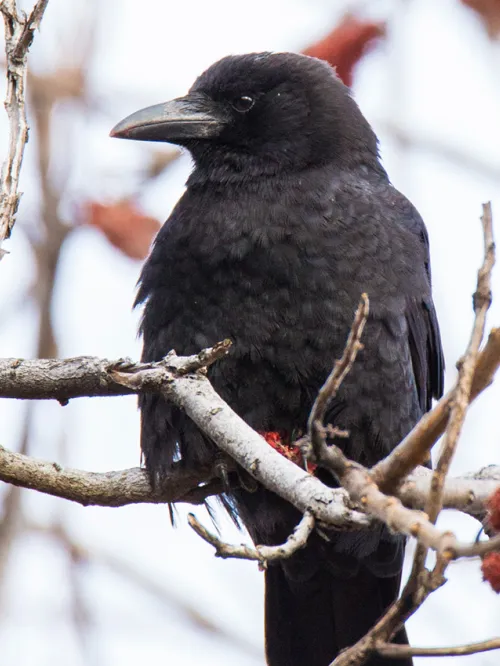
(346, 45)
(493, 506)
(491, 570)
(124, 225)
(489, 11)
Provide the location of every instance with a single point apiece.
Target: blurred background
(97, 586)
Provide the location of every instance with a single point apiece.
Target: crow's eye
(242, 104)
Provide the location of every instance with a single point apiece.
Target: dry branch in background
(94, 555)
(19, 32)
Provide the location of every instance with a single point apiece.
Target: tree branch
(421, 582)
(19, 32)
(263, 554)
(460, 493)
(461, 395)
(143, 580)
(401, 651)
(476, 372)
(331, 456)
(131, 486)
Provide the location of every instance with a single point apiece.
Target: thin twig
(341, 368)
(461, 400)
(19, 32)
(434, 146)
(262, 554)
(401, 651)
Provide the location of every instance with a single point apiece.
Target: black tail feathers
(309, 621)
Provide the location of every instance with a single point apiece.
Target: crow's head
(261, 113)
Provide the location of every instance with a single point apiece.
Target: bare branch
(475, 374)
(19, 32)
(414, 448)
(112, 489)
(461, 398)
(461, 493)
(412, 139)
(262, 554)
(477, 549)
(131, 486)
(402, 651)
(354, 477)
(421, 582)
(87, 376)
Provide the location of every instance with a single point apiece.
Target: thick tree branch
(112, 489)
(460, 493)
(131, 486)
(19, 32)
(85, 376)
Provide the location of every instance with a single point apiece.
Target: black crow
(288, 216)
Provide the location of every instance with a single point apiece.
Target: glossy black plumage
(287, 218)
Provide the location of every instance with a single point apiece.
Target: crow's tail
(309, 621)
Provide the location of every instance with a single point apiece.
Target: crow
(287, 218)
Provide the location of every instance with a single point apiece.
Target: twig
(354, 477)
(461, 398)
(412, 139)
(328, 391)
(413, 595)
(401, 651)
(19, 32)
(262, 554)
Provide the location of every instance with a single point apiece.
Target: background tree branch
(19, 32)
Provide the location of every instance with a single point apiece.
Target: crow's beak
(192, 117)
